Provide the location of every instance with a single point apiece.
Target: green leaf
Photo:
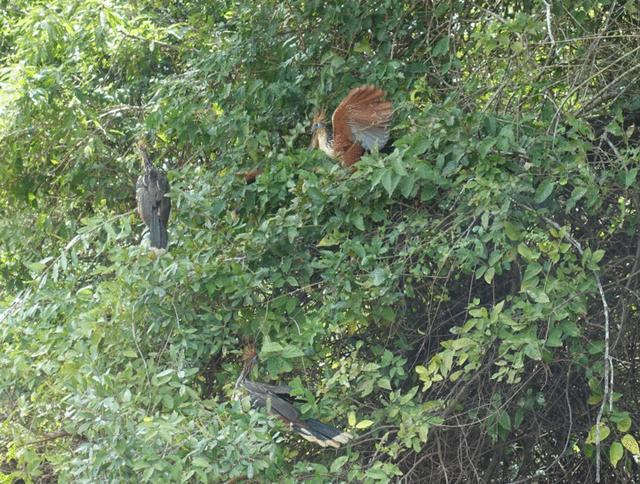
(512, 231)
(200, 462)
(363, 424)
(390, 180)
(604, 433)
(615, 453)
(455, 375)
(352, 418)
(533, 352)
(554, 339)
(269, 346)
(163, 377)
(597, 256)
(421, 370)
(384, 383)
(624, 424)
(630, 443)
(504, 421)
(378, 276)
(539, 296)
(329, 240)
(441, 47)
(479, 312)
(366, 387)
(528, 253)
(406, 185)
(358, 221)
(544, 190)
(488, 276)
(291, 351)
(630, 177)
(337, 464)
(532, 270)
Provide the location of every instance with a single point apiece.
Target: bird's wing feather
(260, 393)
(362, 117)
(145, 202)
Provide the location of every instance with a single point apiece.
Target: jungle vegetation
(465, 305)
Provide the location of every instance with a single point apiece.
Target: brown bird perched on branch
(360, 122)
(277, 399)
(153, 204)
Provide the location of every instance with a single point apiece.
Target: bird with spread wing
(360, 122)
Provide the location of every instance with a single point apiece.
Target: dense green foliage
(462, 305)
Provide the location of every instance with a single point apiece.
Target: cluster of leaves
(459, 304)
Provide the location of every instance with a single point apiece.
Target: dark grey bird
(153, 204)
(276, 399)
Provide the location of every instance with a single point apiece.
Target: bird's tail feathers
(321, 434)
(158, 236)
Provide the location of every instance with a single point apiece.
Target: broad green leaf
(604, 433)
(337, 464)
(539, 296)
(544, 190)
(384, 383)
(351, 418)
(533, 352)
(630, 443)
(406, 185)
(554, 339)
(363, 424)
(269, 346)
(528, 253)
(455, 375)
(479, 312)
(358, 221)
(329, 240)
(200, 462)
(291, 351)
(441, 47)
(390, 180)
(512, 231)
(488, 275)
(624, 424)
(378, 276)
(630, 177)
(615, 453)
(421, 370)
(597, 255)
(504, 421)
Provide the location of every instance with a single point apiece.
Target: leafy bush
(466, 305)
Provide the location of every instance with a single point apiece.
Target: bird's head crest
(319, 117)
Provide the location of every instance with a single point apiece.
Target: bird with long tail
(277, 400)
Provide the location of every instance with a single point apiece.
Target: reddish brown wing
(361, 121)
